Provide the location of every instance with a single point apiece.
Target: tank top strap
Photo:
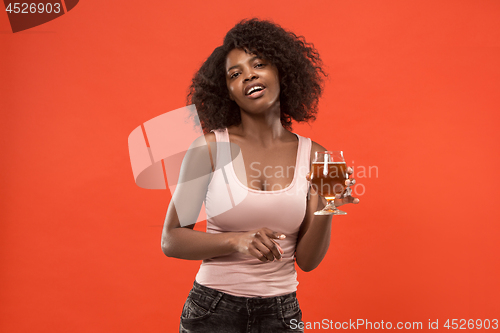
(221, 135)
(223, 156)
(304, 154)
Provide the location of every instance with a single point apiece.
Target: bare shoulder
(210, 137)
(209, 142)
(204, 139)
(197, 155)
(316, 147)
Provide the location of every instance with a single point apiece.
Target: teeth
(253, 89)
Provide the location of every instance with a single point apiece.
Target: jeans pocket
(292, 317)
(196, 308)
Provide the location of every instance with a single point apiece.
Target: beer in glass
(328, 176)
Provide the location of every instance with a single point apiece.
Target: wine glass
(328, 176)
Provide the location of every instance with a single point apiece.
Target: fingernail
(281, 236)
(356, 200)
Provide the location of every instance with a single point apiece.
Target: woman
(252, 174)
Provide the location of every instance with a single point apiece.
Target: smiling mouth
(255, 91)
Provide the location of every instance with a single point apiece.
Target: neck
(262, 128)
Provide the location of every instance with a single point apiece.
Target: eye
(259, 65)
(234, 75)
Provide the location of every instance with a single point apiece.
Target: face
(253, 83)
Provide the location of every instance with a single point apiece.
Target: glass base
(327, 211)
(330, 209)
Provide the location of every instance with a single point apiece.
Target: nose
(251, 76)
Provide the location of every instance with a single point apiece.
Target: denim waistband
(243, 300)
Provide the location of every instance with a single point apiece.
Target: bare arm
(185, 243)
(178, 239)
(314, 235)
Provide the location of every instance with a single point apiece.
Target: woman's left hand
(345, 198)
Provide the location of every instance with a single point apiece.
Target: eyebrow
(236, 66)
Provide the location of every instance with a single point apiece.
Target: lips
(254, 89)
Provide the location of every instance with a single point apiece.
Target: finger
(257, 254)
(314, 188)
(272, 234)
(308, 176)
(271, 246)
(346, 200)
(352, 200)
(275, 248)
(266, 251)
(349, 182)
(278, 246)
(347, 192)
(350, 170)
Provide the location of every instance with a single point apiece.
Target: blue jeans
(208, 310)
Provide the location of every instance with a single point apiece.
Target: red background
(413, 90)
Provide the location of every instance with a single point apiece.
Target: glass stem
(330, 204)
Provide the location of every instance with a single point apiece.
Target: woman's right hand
(260, 244)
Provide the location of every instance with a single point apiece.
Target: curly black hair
(299, 67)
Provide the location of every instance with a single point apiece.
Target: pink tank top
(232, 206)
